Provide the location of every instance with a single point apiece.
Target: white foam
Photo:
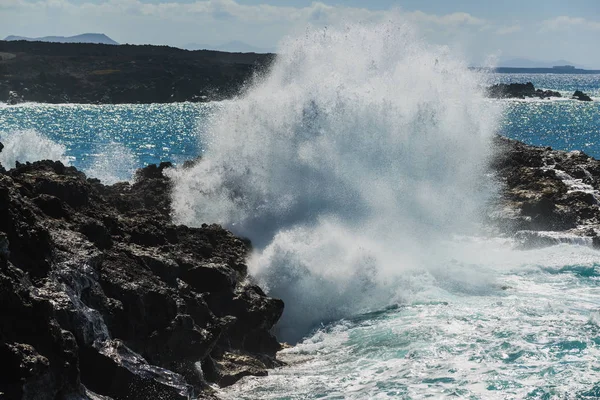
(345, 165)
(538, 334)
(30, 145)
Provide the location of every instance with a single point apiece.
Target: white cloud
(258, 13)
(507, 30)
(567, 23)
(216, 21)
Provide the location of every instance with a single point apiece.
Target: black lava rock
(101, 293)
(579, 95)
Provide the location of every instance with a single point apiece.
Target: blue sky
(477, 29)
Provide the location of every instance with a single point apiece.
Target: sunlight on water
(150, 133)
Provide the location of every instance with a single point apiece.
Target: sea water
(357, 167)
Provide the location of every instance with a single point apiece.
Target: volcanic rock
(102, 296)
(548, 196)
(103, 73)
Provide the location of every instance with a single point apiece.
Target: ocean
(360, 181)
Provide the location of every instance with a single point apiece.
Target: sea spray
(113, 162)
(29, 145)
(345, 165)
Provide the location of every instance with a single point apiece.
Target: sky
(479, 30)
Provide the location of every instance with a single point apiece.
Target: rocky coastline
(103, 297)
(547, 196)
(88, 73)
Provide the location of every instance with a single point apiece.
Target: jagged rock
(232, 367)
(25, 372)
(579, 95)
(93, 277)
(39, 358)
(546, 190)
(127, 376)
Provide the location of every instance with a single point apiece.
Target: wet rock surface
(101, 296)
(547, 196)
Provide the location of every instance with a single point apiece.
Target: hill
(100, 73)
(98, 38)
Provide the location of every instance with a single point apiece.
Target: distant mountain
(235, 46)
(527, 63)
(98, 38)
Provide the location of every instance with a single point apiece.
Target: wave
(346, 165)
(30, 145)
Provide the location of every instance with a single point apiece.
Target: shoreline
(500, 91)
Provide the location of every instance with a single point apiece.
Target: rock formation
(519, 91)
(547, 196)
(101, 295)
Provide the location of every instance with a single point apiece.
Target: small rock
(579, 95)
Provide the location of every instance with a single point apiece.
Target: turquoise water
(530, 330)
(564, 125)
(492, 323)
(151, 133)
(561, 124)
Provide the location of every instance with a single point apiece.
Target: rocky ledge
(102, 297)
(547, 196)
